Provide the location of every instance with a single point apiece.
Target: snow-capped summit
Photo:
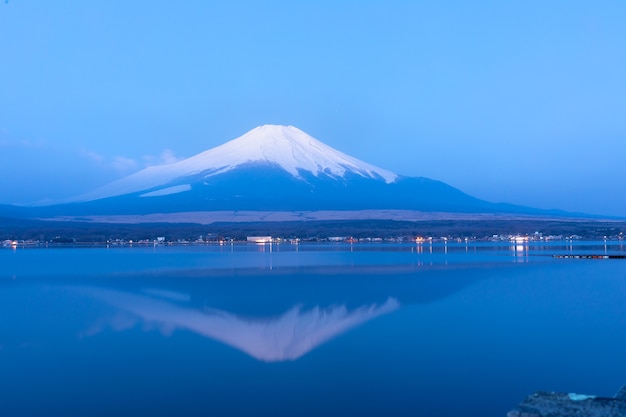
(291, 149)
(273, 169)
(286, 147)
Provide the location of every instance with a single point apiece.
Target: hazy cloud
(6, 143)
(124, 165)
(166, 157)
(93, 156)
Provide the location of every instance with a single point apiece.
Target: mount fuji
(269, 147)
(273, 168)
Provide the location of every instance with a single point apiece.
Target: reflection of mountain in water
(285, 337)
(271, 315)
(276, 316)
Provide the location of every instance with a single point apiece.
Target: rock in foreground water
(554, 404)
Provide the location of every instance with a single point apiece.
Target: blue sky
(515, 101)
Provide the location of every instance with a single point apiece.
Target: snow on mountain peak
(286, 146)
(290, 148)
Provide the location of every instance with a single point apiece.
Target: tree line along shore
(358, 230)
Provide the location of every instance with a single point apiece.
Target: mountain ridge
(273, 168)
(286, 147)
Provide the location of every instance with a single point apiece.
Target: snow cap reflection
(271, 339)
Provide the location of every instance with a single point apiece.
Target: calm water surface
(307, 330)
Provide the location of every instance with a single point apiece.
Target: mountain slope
(286, 147)
(273, 168)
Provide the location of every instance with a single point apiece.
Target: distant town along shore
(32, 232)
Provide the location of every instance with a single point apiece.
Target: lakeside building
(259, 239)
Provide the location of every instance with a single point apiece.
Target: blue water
(307, 330)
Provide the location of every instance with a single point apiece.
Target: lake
(442, 329)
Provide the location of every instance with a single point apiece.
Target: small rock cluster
(554, 404)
